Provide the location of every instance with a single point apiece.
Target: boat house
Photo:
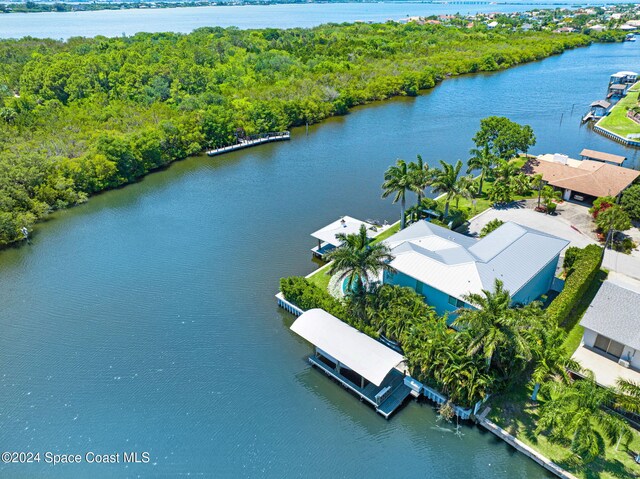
(587, 154)
(599, 108)
(328, 236)
(617, 90)
(366, 367)
(624, 77)
(445, 266)
(610, 344)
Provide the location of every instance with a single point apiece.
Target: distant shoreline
(85, 6)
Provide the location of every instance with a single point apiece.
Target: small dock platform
(252, 141)
(328, 239)
(392, 397)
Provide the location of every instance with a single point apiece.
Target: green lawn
(616, 121)
(570, 325)
(321, 277)
(383, 236)
(514, 412)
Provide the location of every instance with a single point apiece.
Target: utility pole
(610, 231)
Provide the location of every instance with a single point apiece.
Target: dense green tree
(95, 113)
(630, 202)
(503, 137)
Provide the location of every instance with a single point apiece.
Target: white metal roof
(458, 265)
(345, 225)
(359, 352)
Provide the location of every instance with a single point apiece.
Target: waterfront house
(610, 344)
(328, 236)
(445, 266)
(581, 180)
(361, 364)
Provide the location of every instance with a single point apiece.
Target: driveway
(568, 224)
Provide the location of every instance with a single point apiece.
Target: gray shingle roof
(615, 313)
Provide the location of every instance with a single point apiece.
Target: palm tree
(539, 182)
(445, 181)
(482, 160)
(359, 259)
(420, 177)
(628, 395)
(551, 358)
(508, 181)
(572, 412)
(498, 331)
(397, 180)
(464, 188)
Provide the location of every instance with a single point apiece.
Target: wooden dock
(252, 141)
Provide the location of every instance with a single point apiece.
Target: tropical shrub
(613, 217)
(630, 202)
(571, 255)
(306, 295)
(491, 226)
(601, 204)
(584, 269)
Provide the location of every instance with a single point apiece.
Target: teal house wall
(538, 285)
(432, 296)
(532, 290)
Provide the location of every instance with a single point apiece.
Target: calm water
(118, 22)
(145, 319)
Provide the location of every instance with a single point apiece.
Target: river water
(145, 320)
(185, 19)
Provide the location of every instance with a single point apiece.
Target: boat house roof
(624, 74)
(614, 313)
(357, 351)
(599, 155)
(601, 103)
(590, 177)
(458, 265)
(345, 225)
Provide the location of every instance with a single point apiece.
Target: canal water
(145, 320)
(117, 22)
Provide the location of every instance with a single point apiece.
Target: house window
(609, 346)
(456, 302)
